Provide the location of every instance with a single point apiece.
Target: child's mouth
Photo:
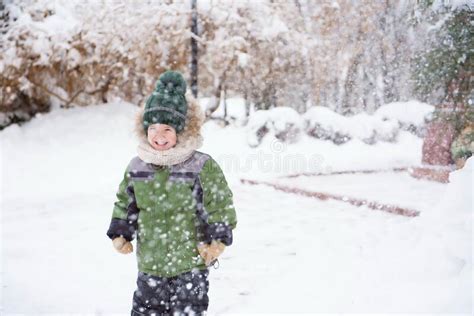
(161, 144)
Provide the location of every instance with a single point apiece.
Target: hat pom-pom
(171, 82)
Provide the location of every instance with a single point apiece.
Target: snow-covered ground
(291, 254)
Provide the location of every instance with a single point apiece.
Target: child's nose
(158, 136)
(160, 139)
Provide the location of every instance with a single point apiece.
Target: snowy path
(393, 188)
(290, 254)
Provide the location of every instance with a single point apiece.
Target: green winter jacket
(169, 209)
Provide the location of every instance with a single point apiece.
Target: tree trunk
(215, 98)
(194, 49)
(226, 122)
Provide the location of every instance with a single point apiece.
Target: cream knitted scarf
(177, 154)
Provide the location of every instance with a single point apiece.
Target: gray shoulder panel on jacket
(137, 165)
(193, 164)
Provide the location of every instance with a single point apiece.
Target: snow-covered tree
(345, 55)
(443, 71)
(448, 58)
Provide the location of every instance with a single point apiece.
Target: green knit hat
(167, 104)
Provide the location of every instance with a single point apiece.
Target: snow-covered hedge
(284, 123)
(325, 124)
(412, 115)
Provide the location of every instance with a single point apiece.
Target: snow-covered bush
(323, 123)
(412, 115)
(284, 123)
(371, 129)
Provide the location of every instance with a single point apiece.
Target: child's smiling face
(161, 136)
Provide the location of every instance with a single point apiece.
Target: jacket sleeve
(125, 211)
(218, 203)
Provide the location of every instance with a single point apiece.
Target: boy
(177, 203)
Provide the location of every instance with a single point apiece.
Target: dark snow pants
(184, 294)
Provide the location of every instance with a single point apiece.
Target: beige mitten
(209, 252)
(122, 245)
